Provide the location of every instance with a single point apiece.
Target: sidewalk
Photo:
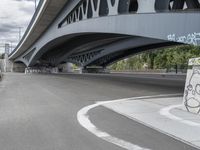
(162, 114)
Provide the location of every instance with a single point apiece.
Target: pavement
(164, 114)
(52, 112)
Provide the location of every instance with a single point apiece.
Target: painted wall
(191, 99)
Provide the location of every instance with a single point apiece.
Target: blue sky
(14, 14)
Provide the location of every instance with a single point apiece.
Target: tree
(165, 58)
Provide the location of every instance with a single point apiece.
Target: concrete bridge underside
(100, 32)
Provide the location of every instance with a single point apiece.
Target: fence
(170, 69)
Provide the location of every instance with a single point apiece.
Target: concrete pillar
(18, 67)
(6, 64)
(69, 67)
(66, 68)
(2, 65)
(80, 70)
(146, 6)
(191, 99)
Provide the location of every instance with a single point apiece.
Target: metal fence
(177, 69)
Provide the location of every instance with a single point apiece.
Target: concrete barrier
(191, 99)
(44, 70)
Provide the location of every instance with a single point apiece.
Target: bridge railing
(87, 9)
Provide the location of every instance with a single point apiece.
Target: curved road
(38, 112)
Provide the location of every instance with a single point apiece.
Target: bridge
(100, 32)
(101, 111)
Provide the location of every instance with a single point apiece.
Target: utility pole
(10, 47)
(20, 31)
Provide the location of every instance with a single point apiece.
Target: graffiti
(194, 62)
(171, 37)
(193, 38)
(192, 92)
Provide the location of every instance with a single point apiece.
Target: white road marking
(166, 112)
(83, 119)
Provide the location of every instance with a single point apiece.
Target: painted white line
(166, 112)
(83, 119)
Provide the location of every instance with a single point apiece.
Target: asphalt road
(38, 112)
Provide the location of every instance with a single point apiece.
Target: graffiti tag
(192, 38)
(194, 62)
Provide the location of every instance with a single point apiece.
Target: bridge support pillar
(66, 68)
(146, 6)
(191, 100)
(6, 64)
(69, 67)
(18, 67)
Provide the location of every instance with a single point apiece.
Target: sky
(14, 14)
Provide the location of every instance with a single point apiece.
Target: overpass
(100, 32)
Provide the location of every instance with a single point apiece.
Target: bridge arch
(153, 24)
